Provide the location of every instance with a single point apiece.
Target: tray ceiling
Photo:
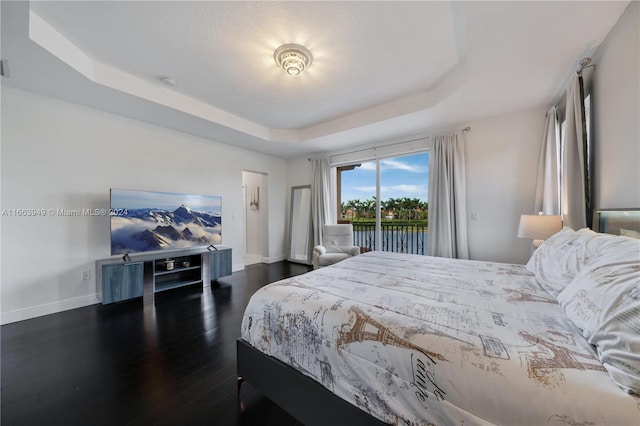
(380, 69)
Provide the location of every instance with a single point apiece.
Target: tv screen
(148, 221)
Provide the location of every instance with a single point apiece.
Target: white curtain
(575, 182)
(548, 183)
(320, 198)
(447, 235)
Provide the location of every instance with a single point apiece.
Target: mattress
(423, 340)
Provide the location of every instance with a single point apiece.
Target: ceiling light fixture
(293, 58)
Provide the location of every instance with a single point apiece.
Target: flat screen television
(148, 221)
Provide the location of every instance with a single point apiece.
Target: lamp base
(537, 243)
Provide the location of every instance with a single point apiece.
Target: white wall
(299, 172)
(502, 157)
(616, 103)
(257, 228)
(60, 155)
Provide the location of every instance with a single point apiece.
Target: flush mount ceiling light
(293, 58)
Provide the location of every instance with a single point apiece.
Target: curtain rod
(466, 129)
(585, 63)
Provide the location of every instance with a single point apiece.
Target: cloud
(399, 165)
(407, 189)
(371, 166)
(418, 191)
(394, 165)
(370, 189)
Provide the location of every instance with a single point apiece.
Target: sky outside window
(406, 176)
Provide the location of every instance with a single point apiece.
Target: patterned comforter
(417, 340)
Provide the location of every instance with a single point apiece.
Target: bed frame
(615, 221)
(302, 397)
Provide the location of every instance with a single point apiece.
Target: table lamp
(538, 227)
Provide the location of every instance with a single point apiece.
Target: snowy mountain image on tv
(148, 221)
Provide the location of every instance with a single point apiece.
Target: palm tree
(393, 205)
(383, 208)
(360, 207)
(404, 204)
(370, 206)
(424, 207)
(353, 206)
(414, 205)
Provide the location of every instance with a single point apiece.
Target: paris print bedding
(417, 340)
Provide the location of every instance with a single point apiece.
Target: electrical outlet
(86, 275)
(474, 215)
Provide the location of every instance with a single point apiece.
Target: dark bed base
(303, 398)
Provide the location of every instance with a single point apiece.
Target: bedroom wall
(256, 221)
(502, 155)
(616, 98)
(60, 155)
(502, 158)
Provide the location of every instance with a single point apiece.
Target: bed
(386, 338)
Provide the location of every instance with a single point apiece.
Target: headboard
(617, 221)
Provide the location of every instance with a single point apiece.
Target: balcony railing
(408, 238)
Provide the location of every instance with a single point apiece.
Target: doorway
(256, 223)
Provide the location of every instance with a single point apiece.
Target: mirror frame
(291, 220)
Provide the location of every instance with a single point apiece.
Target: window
(587, 119)
(399, 220)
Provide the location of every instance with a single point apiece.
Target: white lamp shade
(538, 227)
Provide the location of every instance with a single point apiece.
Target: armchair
(337, 245)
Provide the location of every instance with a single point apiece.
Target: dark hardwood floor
(118, 364)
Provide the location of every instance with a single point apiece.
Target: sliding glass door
(386, 200)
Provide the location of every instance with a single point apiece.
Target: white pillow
(557, 261)
(604, 302)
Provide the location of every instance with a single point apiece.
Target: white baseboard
(274, 259)
(251, 259)
(48, 308)
(91, 299)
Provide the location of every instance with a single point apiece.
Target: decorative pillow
(557, 261)
(604, 302)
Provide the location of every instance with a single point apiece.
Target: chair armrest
(320, 250)
(352, 250)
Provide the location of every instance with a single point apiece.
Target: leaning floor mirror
(300, 225)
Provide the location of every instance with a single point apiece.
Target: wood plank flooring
(174, 364)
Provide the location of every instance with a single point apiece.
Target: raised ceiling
(380, 69)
